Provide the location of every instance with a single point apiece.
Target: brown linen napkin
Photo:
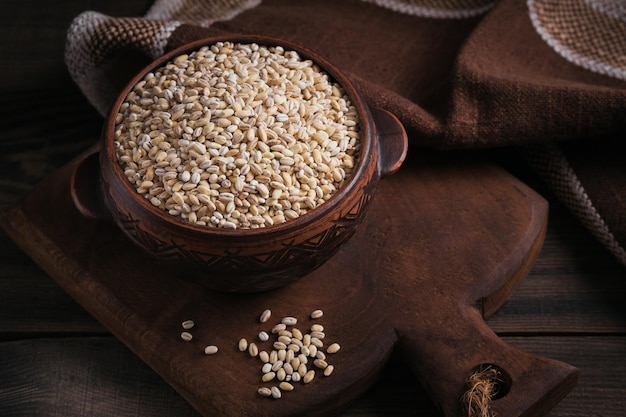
(545, 76)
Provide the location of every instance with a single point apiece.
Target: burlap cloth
(545, 77)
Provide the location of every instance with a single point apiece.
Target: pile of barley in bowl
(237, 135)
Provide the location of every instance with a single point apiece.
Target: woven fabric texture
(440, 9)
(546, 77)
(589, 33)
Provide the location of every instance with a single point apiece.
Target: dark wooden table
(56, 360)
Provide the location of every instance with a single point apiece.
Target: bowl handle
(393, 142)
(85, 186)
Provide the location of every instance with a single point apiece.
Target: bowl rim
(367, 140)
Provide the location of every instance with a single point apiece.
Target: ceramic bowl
(245, 259)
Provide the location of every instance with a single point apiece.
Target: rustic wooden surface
(56, 358)
(448, 238)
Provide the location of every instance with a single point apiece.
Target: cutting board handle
(527, 385)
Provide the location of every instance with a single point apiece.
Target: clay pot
(243, 260)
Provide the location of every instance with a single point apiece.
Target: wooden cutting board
(446, 241)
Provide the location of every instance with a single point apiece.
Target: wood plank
(32, 304)
(601, 389)
(27, 63)
(77, 377)
(74, 377)
(47, 128)
(572, 298)
(134, 297)
(575, 286)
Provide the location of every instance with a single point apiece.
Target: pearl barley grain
(265, 316)
(240, 120)
(317, 314)
(285, 386)
(243, 345)
(334, 348)
(210, 350)
(188, 324)
(268, 376)
(308, 377)
(289, 321)
(253, 350)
